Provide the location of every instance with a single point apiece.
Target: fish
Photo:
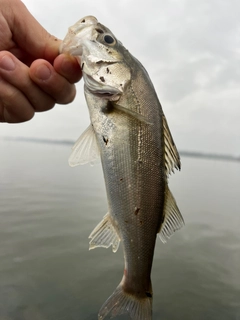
(129, 132)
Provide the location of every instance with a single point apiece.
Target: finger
(14, 106)
(29, 34)
(68, 67)
(51, 82)
(16, 74)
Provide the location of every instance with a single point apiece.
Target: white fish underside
(130, 133)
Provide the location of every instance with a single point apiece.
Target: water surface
(48, 210)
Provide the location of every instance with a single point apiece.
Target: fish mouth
(77, 34)
(81, 41)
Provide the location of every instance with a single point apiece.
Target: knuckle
(14, 107)
(9, 94)
(4, 53)
(14, 114)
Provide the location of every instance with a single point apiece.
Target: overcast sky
(191, 50)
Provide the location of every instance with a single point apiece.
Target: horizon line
(184, 153)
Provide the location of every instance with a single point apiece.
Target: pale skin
(33, 76)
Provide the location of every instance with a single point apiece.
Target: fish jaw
(82, 41)
(77, 33)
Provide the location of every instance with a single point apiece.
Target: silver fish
(130, 132)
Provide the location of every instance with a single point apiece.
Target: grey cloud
(191, 49)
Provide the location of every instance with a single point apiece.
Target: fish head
(101, 57)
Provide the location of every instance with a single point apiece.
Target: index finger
(29, 34)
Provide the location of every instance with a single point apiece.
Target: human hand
(33, 77)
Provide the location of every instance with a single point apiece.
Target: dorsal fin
(172, 158)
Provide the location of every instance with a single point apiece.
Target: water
(48, 210)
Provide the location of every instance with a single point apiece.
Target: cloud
(191, 50)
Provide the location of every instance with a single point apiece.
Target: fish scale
(130, 133)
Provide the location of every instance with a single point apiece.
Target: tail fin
(121, 302)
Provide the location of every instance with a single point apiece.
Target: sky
(191, 50)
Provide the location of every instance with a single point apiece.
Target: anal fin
(173, 219)
(104, 235)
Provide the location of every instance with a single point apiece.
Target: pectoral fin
(85, 149)
(173, 219)
(104, 235)
(132, 113)
(172, 158)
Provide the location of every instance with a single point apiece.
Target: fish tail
(121, 302)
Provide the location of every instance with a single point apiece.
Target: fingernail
(7, 63)
(43, 72)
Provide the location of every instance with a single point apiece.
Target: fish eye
(108, 39)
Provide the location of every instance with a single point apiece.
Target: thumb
(30, 36)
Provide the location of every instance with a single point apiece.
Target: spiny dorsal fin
(85, 149)
(104, 235)
(173, 219)
(172, 158)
